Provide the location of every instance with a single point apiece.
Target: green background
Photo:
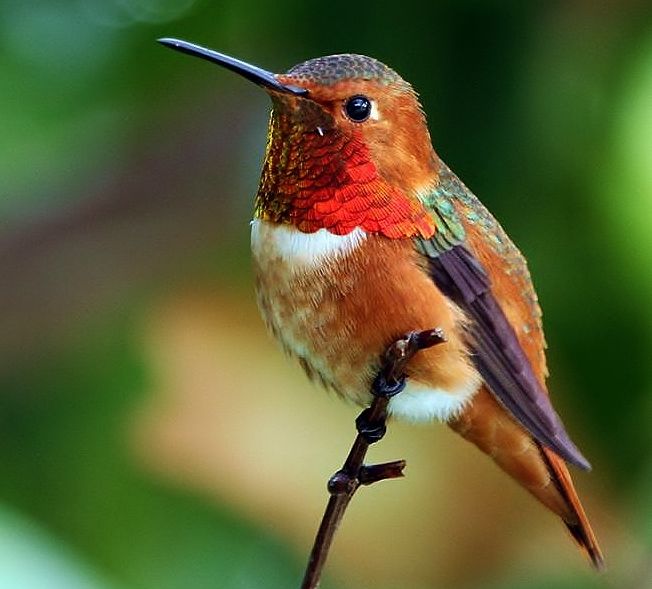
(126, 177)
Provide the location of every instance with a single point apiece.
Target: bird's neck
(324, 179)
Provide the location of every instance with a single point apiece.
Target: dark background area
(152, 436)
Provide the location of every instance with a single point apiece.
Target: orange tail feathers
(580, 529)
(487, 425)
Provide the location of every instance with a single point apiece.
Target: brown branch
(370, 424)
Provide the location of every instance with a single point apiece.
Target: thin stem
(371, 427)
(333, 515)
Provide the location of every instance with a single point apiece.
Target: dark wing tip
(497, 353)
(571, 453)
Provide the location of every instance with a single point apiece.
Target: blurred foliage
(126, 177)
(64, 461)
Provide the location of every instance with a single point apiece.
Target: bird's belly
(420, 401)
(336, 303)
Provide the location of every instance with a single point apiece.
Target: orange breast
(340, 311)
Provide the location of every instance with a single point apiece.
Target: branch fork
(389, 381)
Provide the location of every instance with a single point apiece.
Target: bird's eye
(358, 108)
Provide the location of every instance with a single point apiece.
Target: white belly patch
(297, 247)
(421, 403)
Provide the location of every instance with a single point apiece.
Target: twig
(370, 424)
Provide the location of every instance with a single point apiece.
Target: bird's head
(348, 145)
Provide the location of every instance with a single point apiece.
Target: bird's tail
(487, 424)
(579, 527)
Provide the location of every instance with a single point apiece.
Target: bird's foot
(387, 387)
(372, 430)
(390, 379)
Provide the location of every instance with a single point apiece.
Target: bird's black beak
(250, 72)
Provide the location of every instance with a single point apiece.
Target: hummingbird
(361, 233)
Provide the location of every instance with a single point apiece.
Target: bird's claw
(391, 377)
(371, 431)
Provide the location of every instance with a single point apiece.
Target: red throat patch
(328, 181)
